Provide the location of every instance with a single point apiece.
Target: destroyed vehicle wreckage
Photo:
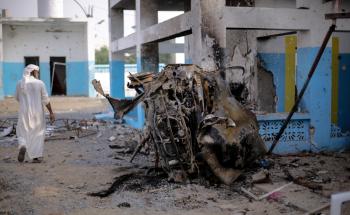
(192, 122)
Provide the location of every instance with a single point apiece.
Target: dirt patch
(60, 104)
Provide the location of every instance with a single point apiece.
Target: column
(91, 54)
(116, 62)
(188, 38)
(147, 54)
(208, 33)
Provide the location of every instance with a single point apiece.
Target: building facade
(265, 47)
(62, 47)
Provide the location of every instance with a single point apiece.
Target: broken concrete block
(261, 176)
(112, 138)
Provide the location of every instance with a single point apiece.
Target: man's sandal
(21, 154)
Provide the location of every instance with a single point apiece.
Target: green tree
(101, 55)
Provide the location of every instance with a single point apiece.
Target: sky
(28, 8)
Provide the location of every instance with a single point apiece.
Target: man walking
(32, 97)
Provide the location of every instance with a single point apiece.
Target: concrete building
(62, 47)
(264, 47)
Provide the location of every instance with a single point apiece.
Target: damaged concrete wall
(266, 90)
(271, 56)
(208, 32)
(240, 63)
(231, 51)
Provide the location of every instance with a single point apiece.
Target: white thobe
(31, 119)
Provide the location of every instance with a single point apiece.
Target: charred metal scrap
(192, 122)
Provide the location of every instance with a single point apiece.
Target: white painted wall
(272, 45)
(34, 40)
(104, 79)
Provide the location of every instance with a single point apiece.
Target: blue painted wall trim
(45, 76)
(117, 79)
(12, 74)
(275, 62)
(78, 78)
(296, 137)
(317, 98)
(188, 61)
(79, 75)
(340, 143)
(136, 118)
(91, 69)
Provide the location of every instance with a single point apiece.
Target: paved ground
(74, 167)
(60, 104)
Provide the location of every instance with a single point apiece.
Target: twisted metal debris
(192, 122)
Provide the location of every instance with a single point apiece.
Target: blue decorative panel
(296, 137)
(336, 132)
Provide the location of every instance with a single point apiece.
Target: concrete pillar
(209, 33)
(116, 59)
(188, 48)
(240, 62)
(91, 53)
(1, 64)
(147, 54)
(214, 47)
(188, 38)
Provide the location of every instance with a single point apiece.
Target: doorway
(58, 75)
(31, 60)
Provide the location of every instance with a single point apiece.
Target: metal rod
(300, 96)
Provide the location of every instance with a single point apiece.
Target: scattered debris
(7, 131)
(319, 209)
(302, 181)
(258, 198)
(112, 138)
(261, 177)
(124, 205)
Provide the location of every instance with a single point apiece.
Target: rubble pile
(192, 122)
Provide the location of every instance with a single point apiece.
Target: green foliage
(101, 55)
